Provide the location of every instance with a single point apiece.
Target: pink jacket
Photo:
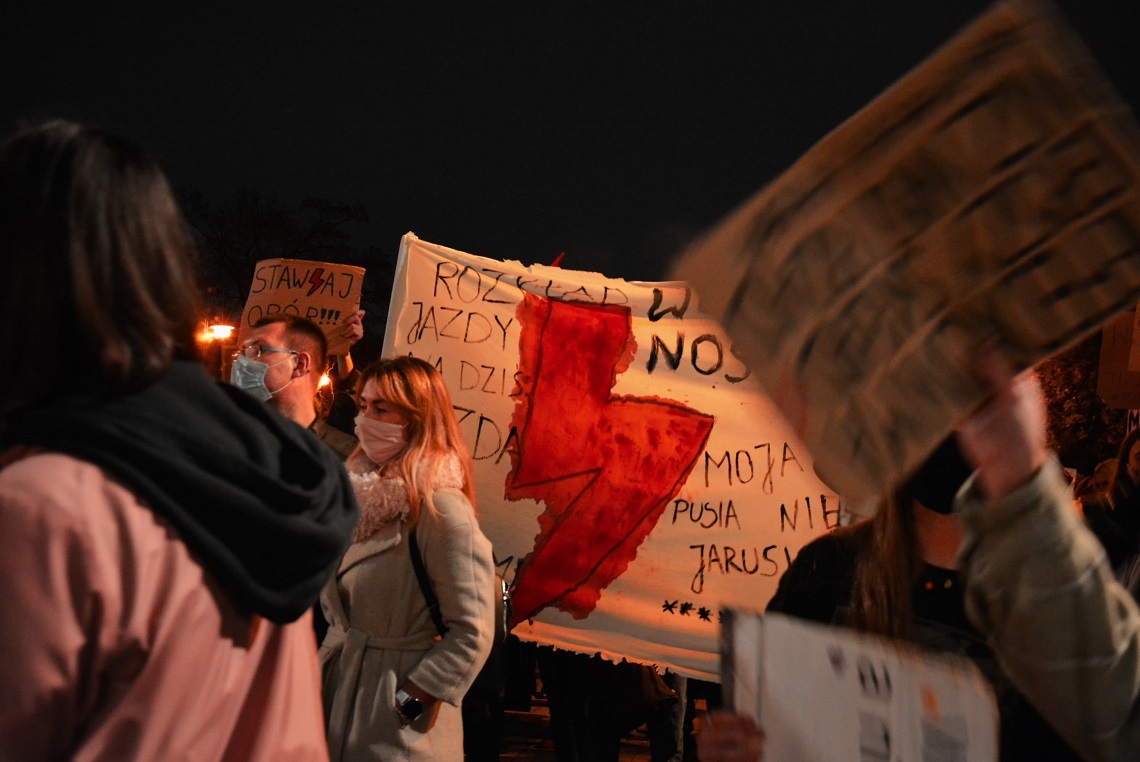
(115, 645)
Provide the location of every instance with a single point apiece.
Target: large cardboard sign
(1118, 384)
(324, 292)
(990, 195)
(629, 472)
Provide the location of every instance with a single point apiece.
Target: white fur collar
(384, 500)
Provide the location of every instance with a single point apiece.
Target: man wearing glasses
(281, 362)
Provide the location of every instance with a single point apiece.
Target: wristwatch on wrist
(408, 707)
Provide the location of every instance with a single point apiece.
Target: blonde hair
(418, 389)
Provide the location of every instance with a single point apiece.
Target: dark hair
(304, 332)
(887, 569)
(96, 277)
(1122, 462)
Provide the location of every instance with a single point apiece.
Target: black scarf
(264, 506)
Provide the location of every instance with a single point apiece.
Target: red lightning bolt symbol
(316, 280)
(604, 465)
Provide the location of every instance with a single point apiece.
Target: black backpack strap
(425, 583)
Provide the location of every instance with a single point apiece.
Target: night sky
(611, 131)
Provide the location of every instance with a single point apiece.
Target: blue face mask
(249, 376)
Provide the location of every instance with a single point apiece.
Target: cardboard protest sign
(1134, 347)
(1116, 383)
(990, 195)
(324, 292)
(629, 473)
(882, 700)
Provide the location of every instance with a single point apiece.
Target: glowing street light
(214, 332)
(221, 332)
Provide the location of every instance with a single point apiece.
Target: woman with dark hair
(897, 575)
(1035, 584)
(411, 609)
(164, 534)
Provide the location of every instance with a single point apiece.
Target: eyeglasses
(255, 351)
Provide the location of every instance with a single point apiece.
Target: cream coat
(1039, 585)
(381, 635)
(117, 646)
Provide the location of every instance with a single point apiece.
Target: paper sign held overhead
(990, 195)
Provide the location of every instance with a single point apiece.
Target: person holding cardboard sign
(281, 361)
(1037, 579)
(1031, 580)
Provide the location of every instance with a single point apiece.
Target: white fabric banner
(631, 476)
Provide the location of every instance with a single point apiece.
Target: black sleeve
(818, 583)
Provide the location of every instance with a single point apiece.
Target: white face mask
(381, 441)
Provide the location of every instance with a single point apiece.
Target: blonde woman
(395, 671)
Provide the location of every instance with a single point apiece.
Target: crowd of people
(204, 570)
